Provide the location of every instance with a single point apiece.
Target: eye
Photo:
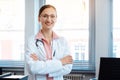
(48, 16)
(45, 16)
(52, 16)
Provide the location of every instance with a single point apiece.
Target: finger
(34, 57)
(33, 54)
(69, 56)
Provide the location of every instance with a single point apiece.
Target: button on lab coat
(37, 70)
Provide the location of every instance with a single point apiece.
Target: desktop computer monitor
(109, 68)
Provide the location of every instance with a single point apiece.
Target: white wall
(103, 30)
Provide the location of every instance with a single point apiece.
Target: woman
(47, 56)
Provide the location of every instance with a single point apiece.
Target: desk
(14, 77)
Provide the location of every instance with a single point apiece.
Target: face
(48, 18)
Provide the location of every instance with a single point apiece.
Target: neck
(48, 34)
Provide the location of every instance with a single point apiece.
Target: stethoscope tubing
(43, 44)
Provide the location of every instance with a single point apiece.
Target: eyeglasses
(45, 16)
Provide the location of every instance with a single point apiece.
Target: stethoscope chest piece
(41, 42)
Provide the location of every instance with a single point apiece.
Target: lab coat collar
(41, 37)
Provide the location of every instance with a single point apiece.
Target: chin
(51, 26)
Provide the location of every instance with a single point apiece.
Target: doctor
(47, 56)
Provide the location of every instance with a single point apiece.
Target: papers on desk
(9, 76)
(6, 74)
(14, 76)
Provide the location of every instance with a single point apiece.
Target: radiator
(74, 77)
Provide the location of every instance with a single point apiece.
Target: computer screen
(109, 68)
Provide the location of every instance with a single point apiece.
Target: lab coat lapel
(54, 46)
(41, 50)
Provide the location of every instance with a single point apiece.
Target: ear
(38, 19)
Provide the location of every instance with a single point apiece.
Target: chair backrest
(109, 68)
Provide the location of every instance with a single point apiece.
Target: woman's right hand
(34, 57)
(67, 60)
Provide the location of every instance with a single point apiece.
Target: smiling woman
(51, 58)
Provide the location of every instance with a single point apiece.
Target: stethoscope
(36, 43)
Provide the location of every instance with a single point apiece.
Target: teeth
(48, 23)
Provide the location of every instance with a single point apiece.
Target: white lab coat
(37, 70)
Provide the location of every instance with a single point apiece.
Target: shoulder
(62, 40)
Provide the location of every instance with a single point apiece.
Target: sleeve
(40, 66)
(66, 69)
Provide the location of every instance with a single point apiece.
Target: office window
(116, 28)
(73, 24)
(12, 25)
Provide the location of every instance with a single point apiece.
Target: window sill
(83, 71)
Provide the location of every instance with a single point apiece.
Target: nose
(48, 18)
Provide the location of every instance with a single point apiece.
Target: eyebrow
(47, 14)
